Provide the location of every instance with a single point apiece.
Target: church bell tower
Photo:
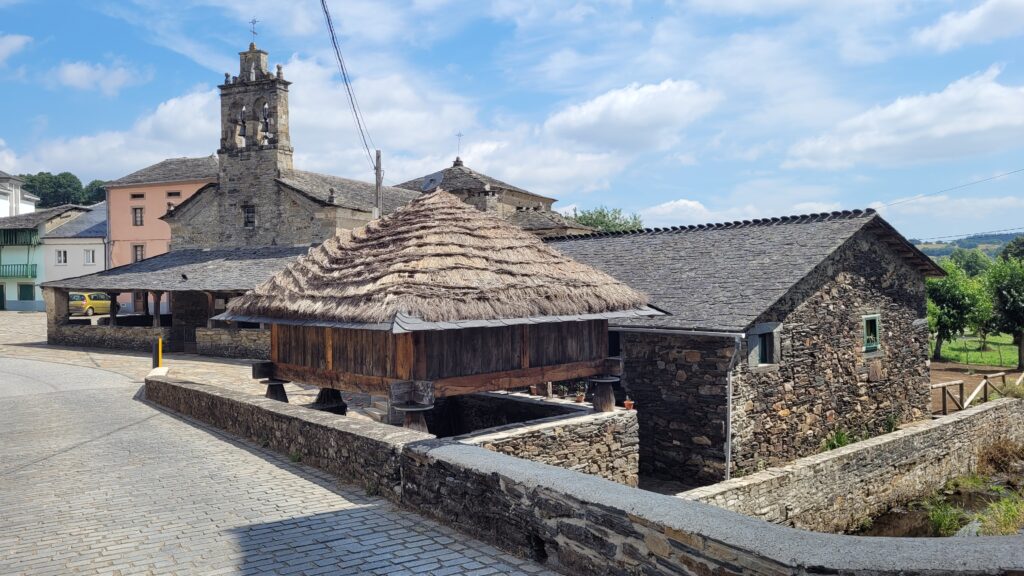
(254, 115)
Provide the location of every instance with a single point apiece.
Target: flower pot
(533, 390)
(628, 404)
(579, 398)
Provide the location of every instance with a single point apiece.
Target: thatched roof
(436, 263)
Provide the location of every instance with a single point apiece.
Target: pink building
(137, 201)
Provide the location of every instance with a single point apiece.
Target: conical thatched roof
(436, 260)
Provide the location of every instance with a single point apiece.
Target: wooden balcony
(17, 270)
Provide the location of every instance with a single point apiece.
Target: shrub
(837, 439)
(1001, 456)
(1004, 517)
(945, 518)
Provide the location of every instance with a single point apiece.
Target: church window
(249, 216)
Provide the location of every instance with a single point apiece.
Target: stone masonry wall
(679, 385)
(233, 343)
(139, 338)
(575, 523)
(456, 415)
(824, 381)
(604, 443)
(836, 491)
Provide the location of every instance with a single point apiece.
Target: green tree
(1014, 249)
(1006, 283)
(94, 192)
(983, 320)
(608, 219)
(54, 189)
(973, 262)
(952, 300)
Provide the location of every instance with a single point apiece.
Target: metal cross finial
(460, 142)
(252, 29)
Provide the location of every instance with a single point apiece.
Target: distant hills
(990, 244)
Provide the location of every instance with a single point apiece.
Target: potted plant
(562, 390)
(533, 390)
(628, 403)
(581, 392)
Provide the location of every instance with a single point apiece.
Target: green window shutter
(26, 292)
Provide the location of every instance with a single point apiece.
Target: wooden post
(414, 420)
(113, 307)
(145, 304)
(157, 297)
(962, 394)
(604, 395)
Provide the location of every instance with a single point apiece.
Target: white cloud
(11, 44)
(946, 215)
(973, 115)
(989, 21)
(107, 79)
(634, 117)
(8, 161)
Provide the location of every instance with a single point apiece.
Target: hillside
(990, 244)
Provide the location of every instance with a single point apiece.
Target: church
(252, 213)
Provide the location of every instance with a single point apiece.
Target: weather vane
(252, 29)
(459, 135)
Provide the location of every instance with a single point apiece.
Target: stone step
(375, 413)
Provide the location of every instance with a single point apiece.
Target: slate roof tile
(172, 170)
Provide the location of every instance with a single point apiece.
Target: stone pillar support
(275, 390)
(604, 396)
(414, 420)
(157, 296)
(330, 400)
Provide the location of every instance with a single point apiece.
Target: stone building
(781, 332)
(531, 212)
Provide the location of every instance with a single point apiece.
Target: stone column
(604, 396)
(145, 304)
(113, 307)
(157, 296)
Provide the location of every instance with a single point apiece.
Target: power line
(357, 113)
(989, 179)
(973, 234)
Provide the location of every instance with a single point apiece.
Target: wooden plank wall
(471, 351)
(565, 342)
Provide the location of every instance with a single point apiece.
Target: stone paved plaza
(95, 481)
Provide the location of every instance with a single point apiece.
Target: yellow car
(89, 303)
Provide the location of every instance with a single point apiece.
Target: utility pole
(378, 210)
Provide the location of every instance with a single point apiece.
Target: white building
(77, 247)
(14, 200)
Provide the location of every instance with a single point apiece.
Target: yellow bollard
(158, 353)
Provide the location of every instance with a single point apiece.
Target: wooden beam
(419, 370)
(517, 378)
(377, 385)
(329, 347)
(524, 346)
(273, 342)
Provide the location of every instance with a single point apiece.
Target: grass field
(1001, 351)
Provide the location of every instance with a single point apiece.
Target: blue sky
(686, 111)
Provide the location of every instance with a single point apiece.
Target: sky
(684, 111)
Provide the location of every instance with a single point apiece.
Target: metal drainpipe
(738, 339)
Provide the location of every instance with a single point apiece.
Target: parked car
(89, 303)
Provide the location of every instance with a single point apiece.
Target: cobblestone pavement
(97, 482)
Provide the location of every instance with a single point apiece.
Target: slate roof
(172, 170)
(92, 224)
(229, 269)
(348, 193)
(458, 178)
(6, 176)
(34, 219)
(721, 277)
(544, 220)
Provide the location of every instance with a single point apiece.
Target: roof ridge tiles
(767, 221)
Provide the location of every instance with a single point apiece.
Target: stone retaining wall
(604, 444)
(838, 490)
(362, 452)
(139, 338)
(576, 523)
(233, 343)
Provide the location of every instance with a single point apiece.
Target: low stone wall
(465, 414)
(359, 451)
(604, 444)
(139, 338)
(838, 490)
(233, 343)
(576, 523)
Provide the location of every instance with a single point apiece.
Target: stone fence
(604, 444)
(575, 523)
(139, 338)
(233, 343)
(836, 491)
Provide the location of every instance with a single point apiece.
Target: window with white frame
(764, 343)
(90, 257)
(62, 257)
(872, 324)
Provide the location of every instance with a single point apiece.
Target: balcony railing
(17, 270)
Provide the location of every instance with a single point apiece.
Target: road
(96, 481)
